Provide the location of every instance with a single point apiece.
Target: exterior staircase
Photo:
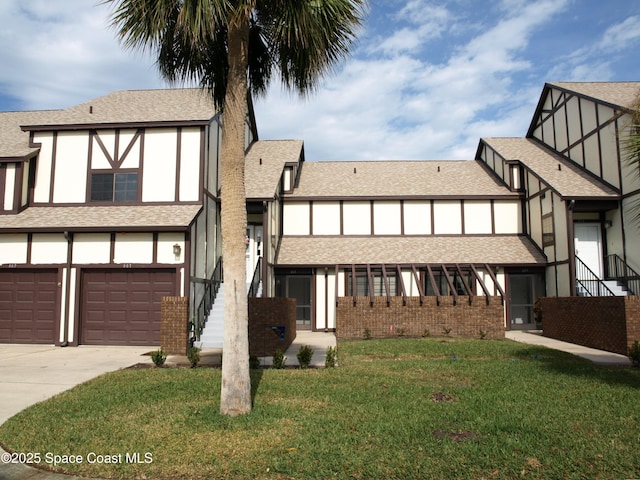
(617, 288)
(212, 335)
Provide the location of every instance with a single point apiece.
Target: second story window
(114, 187)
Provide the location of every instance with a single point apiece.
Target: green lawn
(400, 408)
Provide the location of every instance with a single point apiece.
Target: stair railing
(590, 282)
(211, 288)
(256, 279)
(617, 269)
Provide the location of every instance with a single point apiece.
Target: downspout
(65, 320)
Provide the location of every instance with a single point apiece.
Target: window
(443, 285)
(548, 237)
(114, 187)
(362, 284)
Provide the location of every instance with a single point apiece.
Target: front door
(588, 246)
(523, 290)
(299, 287)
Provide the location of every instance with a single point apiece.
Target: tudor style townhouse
(114, 203)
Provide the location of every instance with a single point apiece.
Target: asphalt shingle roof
(101, 217)
(570, 181)
(623, 94)
(13, 141)
(138, 106)
(264, 164)
(125, 107)
(452, 178)
(433, 249)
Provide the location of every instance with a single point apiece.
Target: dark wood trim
(202, 171)
(176, 195)
(372, 217)
(493, 215)
(3, 184)
(310, 217)
(29, 247)
(130, 146)
(112, 162)
(141, 165)
(114, 125)
(462, 225)
(346, 198)
(433, 220)
(112, 247)
(19, 182)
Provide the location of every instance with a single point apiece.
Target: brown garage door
(28, 306)
(122, 307)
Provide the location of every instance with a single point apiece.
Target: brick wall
(266, 313)
(174, 319)
(414, 319)
(605, 323)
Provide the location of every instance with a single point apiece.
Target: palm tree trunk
(235, 396)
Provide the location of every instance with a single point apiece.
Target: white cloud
(407, 108)
(619, 37)
(62, 53)
(429, 79)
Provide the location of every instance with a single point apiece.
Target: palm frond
(631, 155)
(309, 37)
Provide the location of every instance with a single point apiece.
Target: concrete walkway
(30, 374)
(596, 356)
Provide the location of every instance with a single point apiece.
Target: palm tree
(632, 153)
(232, 47)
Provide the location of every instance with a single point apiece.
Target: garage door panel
(123, 307)
(29, 305)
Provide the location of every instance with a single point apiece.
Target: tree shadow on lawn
(256, 377)
(568, 364)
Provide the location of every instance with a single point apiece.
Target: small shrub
(634, 354)
(304, 356)
(193, 354)
(159, 357)
(367, 334)
(426, 333)
(446, 331)
(483, 334)
(254, 362)
(331, 358)
(400, 332)
(279, 359)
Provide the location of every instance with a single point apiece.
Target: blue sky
(426, 80)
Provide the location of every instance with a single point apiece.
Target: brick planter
(173, 325)
(413, 319)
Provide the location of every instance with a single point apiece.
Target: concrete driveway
(32, 373)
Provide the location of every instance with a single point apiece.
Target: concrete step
(213, 333)
(616, 287)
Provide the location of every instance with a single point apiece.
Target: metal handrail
(617, 269)
(590, 282)
(208, 298)
(255, 280)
